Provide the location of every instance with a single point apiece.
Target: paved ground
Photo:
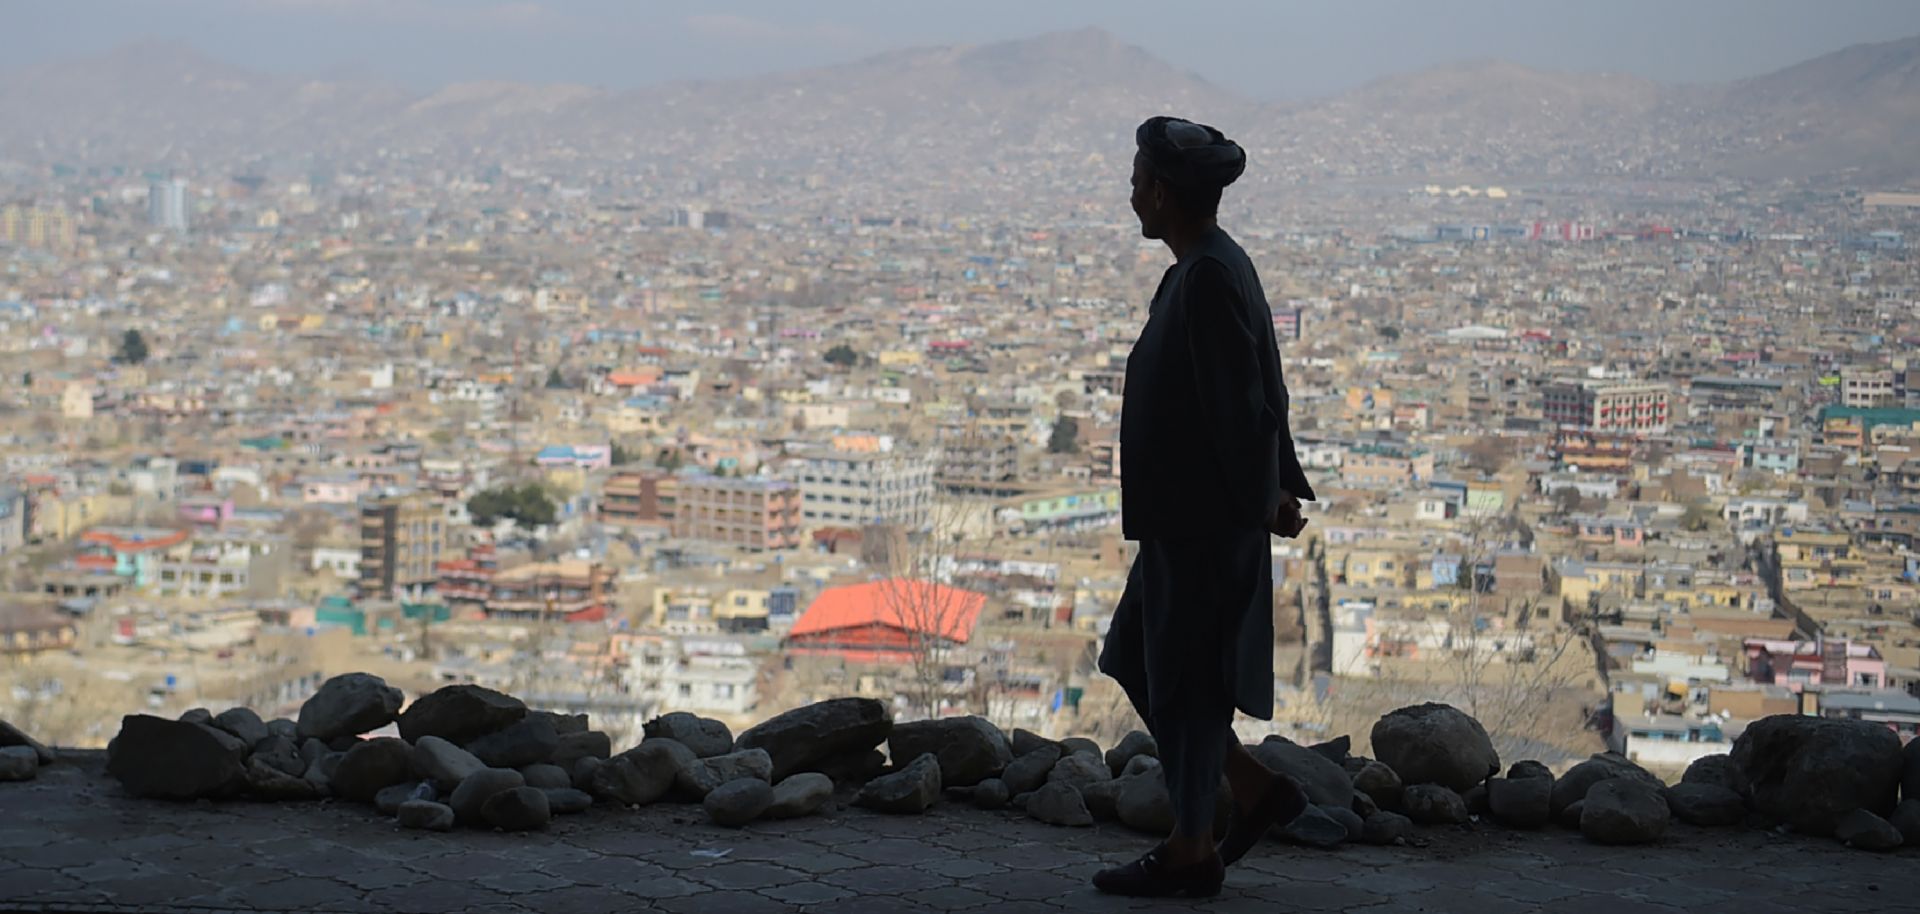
(71, 842)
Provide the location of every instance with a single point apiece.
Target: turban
(1190, 155)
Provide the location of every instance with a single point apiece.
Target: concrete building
(703, 674)
(754, 514)
(1608, 406)
(854, 489)
(401, 539)
(167, 204)
(1867, 388)
(630, 498)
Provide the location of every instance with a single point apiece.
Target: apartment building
(1608, 406)
(402, 538)
(754, 514)
(855, 489)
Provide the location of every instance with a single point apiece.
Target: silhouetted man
(1208, 471)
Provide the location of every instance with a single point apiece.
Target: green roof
(1873, 417)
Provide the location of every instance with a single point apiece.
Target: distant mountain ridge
(1032, 106)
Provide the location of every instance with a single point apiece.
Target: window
(686, 690)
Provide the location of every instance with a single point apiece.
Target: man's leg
(1192, 753)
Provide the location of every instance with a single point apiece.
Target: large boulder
(19, 763)
(460, 714)
(1529, 768)
(1910, 771)
(1573, 786)
(1624, 810)
(531, 739)
(855, 768)
(572, 747)
(1336, 750)
(969, 749)
(703, 776)
(1716, 770)
(802, 794)
(805, 737)
(566, 800)
(1324, 780)
(1135, 744)
(442, 762)
(349, 705)
(1102, 799)
(547, 777)
(469, 800)
(1026, 741)
(1383, 828)
(13, 736)
(171, 760)
(1906, 818)
(1520, 802)
(1315, 827)
(992, 793)
(912, 789)
(736, 803)
(563, 724)
(1867, 832)
(1380, 784)
(1432, 804)
(1026, 773)
(517, 809)
(1705, 804)
(425, 814)
(1059, 803)
(641, 775)
(1080, 744)
(1145, 805)
(1435, 744)
(243, 724)
(1079, 770)
(265, 782)
(387, 801)
(372, 766)
(704, 735)
(1810, 771)
(279, 753)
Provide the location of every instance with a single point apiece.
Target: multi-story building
(755, 514)
(228, 567)
(1864, 388)
(974, 462)
(1375, 465)
(569, 591)
(167, 204)
(402, 538)
(645, 497)
(1608, 407)
(38, 227)
(852, 490)
(705, 674)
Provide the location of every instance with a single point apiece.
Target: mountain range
(1040, 106)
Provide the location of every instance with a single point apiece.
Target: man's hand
(1286, 520)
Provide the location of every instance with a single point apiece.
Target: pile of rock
(468, 755)
(20, 756)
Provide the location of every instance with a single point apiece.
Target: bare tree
(917, 594)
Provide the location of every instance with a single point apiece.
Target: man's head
(1179, 170)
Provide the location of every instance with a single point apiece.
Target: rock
(517, 809)
(1435, 744)
(705, 736)
(1135, 744)
(1716, 770)
(1336, 751)
(1809, 772)
(321, 772)
(349, 705)
(1145, 805)
(1604, 766)
(1384, 828)
(1363, 805)
(442, 762)
(279, 753)
(343, 743)
(388, 800)
(370, 767)
(1381, 784)
(1868, 832)
(1529, 769)
(565, 724)
(244, 724)
(1525, 802)
(1313, 827)
(1080, 745)
(970, 749)
(1355, 763)
(547, 777)
(1910, 771)
(265, 782)
(1058, 803)
(1141, 764)
(528, 741)
(1624, 810)
(169, 760)
(566, 801)
(425, 814)
(1432, 804)
(196, 716)
(1079, 770)
(1476, 800)
(703, 776)
(804, 737)
(1102, 799)
(460, 714)
(1019, 800)
(470, 798)
(991, 793)
(573, 747)
(1324, 781)
(283, 727)
(738, 802)
(799, 795)
(641, 775)
(583, 770)
(1354, 822)
(1026, 773)
(1026, 742)
(1703, 804)
(12, 736)
(854, 769)
(1570, 816)
(1906, 818)
(312, 750)
(19, 763)
(912, 789)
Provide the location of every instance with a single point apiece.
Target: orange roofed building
(878, 622)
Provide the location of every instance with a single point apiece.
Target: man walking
(1208, 471)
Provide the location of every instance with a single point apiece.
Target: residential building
(402, 537)
(754, 514)
(1643, 409)
(643, 497)
(857, 489)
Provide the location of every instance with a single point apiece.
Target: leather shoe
(1152, 877)
(1283, 801)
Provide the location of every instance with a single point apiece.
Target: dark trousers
(1170, 646)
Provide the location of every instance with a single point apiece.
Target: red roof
(898, 603)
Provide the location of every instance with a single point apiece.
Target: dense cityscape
(1622, 462)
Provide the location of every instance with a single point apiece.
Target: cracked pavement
(72, 842)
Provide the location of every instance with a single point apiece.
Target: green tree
(669, 459)
(554, 380)
(527, 505)
(843, 356)
(133, 347)
(621, 456)
(1700, 516)
(1066, 436)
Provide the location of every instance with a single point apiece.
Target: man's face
(1149, 198)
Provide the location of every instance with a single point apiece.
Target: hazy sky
(1262, 48)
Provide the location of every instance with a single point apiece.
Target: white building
(856, 489)
(704, 674)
